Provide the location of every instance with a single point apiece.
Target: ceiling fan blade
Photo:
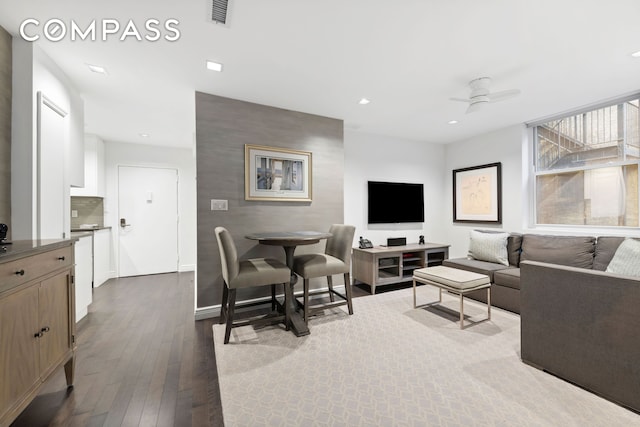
(502, 95)
(459, 99)
(474, 107)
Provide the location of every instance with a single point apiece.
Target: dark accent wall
(223, 127)
(5, 127)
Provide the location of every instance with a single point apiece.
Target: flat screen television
(394, 202)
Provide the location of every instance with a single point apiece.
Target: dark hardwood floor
(142, 360)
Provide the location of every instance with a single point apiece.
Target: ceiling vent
(219, 11)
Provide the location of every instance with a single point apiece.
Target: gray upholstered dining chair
(248, 273)
(336, 259)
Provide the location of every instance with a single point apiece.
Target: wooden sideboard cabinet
(37, 320)
(384, 265)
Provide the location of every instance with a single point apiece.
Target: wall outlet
(74, 213)
(219, 205)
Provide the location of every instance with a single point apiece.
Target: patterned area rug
(392, 365)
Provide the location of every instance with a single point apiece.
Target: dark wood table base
(289, 241)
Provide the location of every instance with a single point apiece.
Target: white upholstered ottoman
(455, 281)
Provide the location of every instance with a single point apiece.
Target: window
(586, 167)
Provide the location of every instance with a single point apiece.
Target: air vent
(219, 11)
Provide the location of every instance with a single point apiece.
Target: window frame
(534, 173)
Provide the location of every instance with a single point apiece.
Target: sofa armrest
(583, 325)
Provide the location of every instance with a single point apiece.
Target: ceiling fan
(481, 95)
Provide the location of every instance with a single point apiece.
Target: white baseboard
(186, 267)
(212, 311)
(207, 312)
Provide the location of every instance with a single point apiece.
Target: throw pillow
(491, 247)
(625, 260)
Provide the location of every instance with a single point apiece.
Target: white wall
(33, 72)
(380, 158)
(49, 79)
(23, 143)
(506, 146)
(182, 159)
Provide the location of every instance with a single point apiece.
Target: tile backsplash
(90, 211)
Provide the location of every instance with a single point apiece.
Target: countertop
(75, 230)
(83, 232)
(21, 248)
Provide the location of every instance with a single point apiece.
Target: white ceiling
(407, 56)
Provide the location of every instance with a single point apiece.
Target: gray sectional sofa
(573, 251)
(505, 289)
(578, 321)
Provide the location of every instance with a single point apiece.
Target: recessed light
(144, 135)
(364, 101)
(214, 66)
(452, 122)
(636, 54)
(97, 69)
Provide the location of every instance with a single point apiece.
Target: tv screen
(392, 202)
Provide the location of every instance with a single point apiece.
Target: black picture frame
(477, 194)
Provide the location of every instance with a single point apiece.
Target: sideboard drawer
(25, 269)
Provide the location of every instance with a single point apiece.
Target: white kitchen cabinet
(94, 170)
(101, 256)
(84, 274)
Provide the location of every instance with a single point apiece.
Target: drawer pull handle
(61, 258)
(20, 273)
(45, 329)
(38, 334)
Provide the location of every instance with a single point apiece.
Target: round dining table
(289, 240)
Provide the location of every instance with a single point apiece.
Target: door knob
(123, 223)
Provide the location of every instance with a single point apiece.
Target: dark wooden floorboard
(142, 360)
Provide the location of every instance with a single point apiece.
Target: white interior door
(148, 220)
(51, 195)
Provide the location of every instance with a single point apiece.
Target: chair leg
(232, 306)
(288, 298)
(330, 283)
(273, 297)
(225, 300)
(347, 288)
(306, 301)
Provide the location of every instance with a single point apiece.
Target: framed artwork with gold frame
(276, 174)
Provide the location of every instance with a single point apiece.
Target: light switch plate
(219, 205)
(74, 213)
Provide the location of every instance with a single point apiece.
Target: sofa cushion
(509, 278)
(491, 247)
(605, 249)
(573, 251)
(625, 260)
(514, 246)
(482, 267)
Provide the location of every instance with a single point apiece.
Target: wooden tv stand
(385, 265)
